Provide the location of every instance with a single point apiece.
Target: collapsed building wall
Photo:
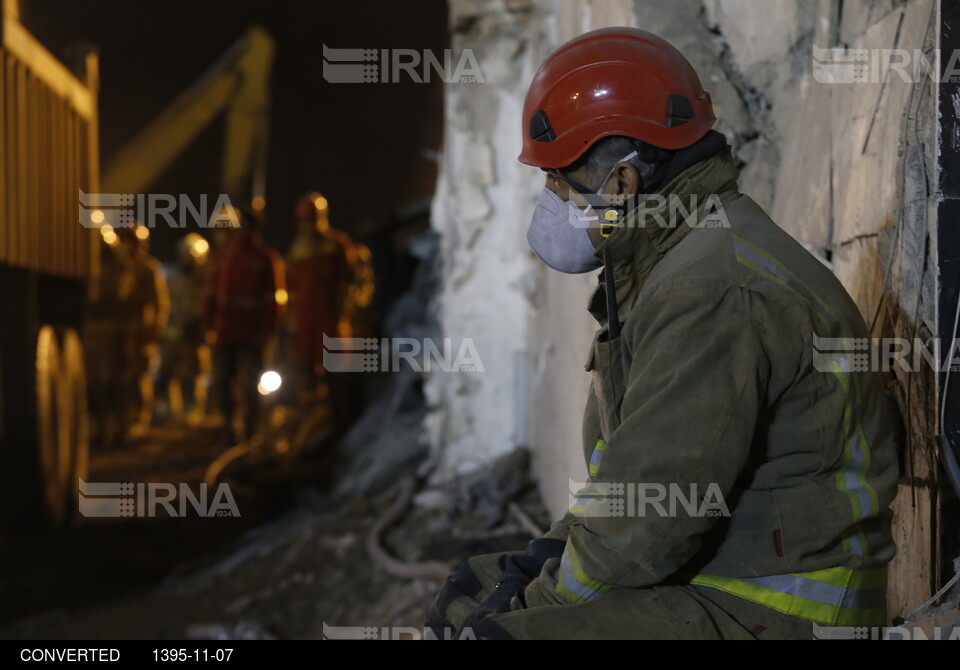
(845, 168)
(529, 325)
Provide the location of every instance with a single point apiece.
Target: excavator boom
(236, 85)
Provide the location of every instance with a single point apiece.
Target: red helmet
(612, 81)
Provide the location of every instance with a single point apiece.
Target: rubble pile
(368, 545)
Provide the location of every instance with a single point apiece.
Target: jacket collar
(648, 233)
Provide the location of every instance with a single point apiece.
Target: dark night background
(365, 146)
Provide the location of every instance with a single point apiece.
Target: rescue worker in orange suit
(319, 272)
(223, 234)
(240, 310)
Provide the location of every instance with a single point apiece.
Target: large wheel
(75, 430)
(62, 421)
(53, 465)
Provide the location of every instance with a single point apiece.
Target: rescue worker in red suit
(318, 273)
(240, 309)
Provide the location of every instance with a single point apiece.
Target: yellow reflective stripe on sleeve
(573, 583)
(596, 457)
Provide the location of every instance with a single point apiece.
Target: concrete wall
(839, 166)
(848, 170)
(529, 324)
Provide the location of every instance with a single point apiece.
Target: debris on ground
(370, 537)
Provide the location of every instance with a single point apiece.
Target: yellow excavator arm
(237, 85)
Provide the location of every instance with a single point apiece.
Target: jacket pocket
(609, 381)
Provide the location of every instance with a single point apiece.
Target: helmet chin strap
(589, 193)
(646, 172)
(610, 288)
(613, 312)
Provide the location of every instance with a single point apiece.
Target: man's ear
(627, 180)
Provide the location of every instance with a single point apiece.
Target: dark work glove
(462, 583)
(518, 570)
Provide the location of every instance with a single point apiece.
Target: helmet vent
(679, 111)
(540, 130)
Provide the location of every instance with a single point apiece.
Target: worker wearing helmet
(183, 335)
(319, 268)
(240, 310)
(706, 386)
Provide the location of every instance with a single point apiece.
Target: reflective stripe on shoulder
(758, 260)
